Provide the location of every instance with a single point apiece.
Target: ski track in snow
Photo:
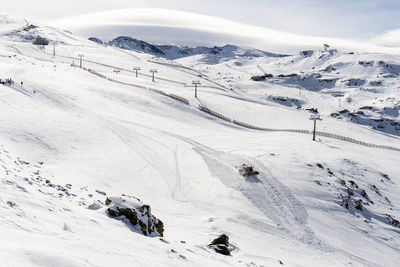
(163, 154)
(133, 139)
(264, 191)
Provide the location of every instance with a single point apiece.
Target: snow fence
(214, 113)
(173, 96)
(325, 134)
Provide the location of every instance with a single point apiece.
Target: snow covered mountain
(175, 52)
(93, 159)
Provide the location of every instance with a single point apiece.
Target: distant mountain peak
(126, 42)
(175, 51)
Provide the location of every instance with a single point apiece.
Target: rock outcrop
(96, 40)
(133, 212)
(261, 78)
(40, 41)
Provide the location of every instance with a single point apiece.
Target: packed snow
(71, 137)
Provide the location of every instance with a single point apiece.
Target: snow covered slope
(357, 87)
(70, 137)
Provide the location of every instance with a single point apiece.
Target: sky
(367, 21)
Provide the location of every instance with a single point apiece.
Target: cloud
(360, 19)
(162, 25)
(389, 39)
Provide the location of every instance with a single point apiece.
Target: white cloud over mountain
(390, 39)
(185, 28)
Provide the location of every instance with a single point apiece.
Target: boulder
(221, 245)
(262, 77)
(40, 41)
(132, 211)
(95, 206)
(392, 220)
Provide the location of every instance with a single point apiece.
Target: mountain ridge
(173, 52)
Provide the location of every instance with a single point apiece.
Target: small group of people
(7, 82)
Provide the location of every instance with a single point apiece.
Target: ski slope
(69, 137)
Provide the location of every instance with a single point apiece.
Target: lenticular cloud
(157, 25)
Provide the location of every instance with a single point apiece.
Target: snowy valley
(101, 165)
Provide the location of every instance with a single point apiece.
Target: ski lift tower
(153, 71)
(136, 69)
(54, 50)
(315, 118)
(195, 83)
(80, 60)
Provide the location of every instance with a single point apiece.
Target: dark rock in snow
(96, 40)
(355, 82)
(354, 184)
(221, 245)
(29, 27)
(96, 205)
(376, 189)
(40, 41)
(392, 220)
(11, 204)
(262, 77)
(307, 53)
(287, 75)
(330, 68)
(367, 108)
(126, 42)
(101, 192)
(364, 194)
(313, 110)
(138, 215)
(317, 182)
(366, 63)
(375, 83)
(215, 50)
(358, 204)
(286, 101)
(335, 115)
(327, 80)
